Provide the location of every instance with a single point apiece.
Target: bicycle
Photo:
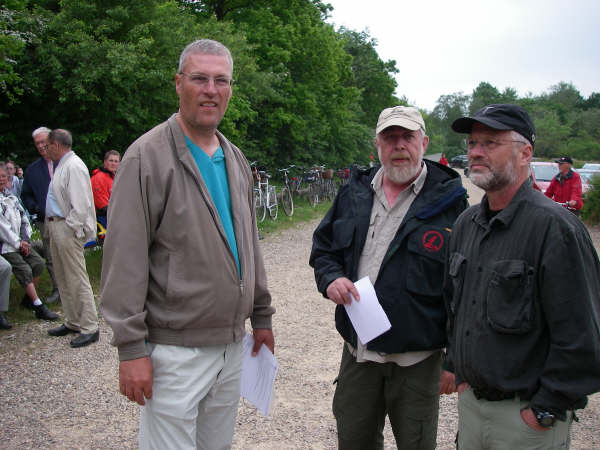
(287, 200)
(265, 195)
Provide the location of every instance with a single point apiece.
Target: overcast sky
(443, 46)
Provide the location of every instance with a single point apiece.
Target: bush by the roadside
(591, 206)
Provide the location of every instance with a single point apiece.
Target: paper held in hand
(367, 315)
(258, 376)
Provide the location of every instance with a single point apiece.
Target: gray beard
(495, 180)
(402, 175)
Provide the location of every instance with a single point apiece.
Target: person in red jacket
(444, 160)
(102, 181)
(565, 187)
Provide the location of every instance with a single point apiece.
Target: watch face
(544, 418)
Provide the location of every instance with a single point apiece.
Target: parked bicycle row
(316, 184)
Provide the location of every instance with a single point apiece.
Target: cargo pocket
(510, 297)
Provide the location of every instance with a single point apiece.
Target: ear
(178, 81)
(526, 153)
(425, 143)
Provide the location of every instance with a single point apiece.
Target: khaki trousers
(498, 426)
(195, 396)
(71, 276)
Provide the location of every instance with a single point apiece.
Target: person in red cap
(565, 187)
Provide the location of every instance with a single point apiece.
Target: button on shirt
(383, 225)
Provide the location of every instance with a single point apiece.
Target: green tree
(372, 76)
(104, 70)
(484, 94)
(447, 110)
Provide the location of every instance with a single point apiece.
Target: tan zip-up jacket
(168, 274)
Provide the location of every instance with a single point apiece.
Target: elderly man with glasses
(182, 268)
(34, 191)
(391, 223)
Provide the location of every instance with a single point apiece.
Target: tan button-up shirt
(383, 225)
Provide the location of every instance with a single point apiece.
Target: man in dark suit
(35, 189)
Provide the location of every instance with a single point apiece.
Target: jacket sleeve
(27, 195)
(571, 310)
(79, 205)
(7, 234)
(125, 261)
(326, 260)
(262, 311)
(550, 191)
(576, 191)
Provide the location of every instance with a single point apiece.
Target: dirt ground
(52, 396)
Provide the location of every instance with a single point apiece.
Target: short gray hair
(111, 153)
(206, 47)
(40, 130)
(63, 137)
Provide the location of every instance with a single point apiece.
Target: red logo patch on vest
(433, 241)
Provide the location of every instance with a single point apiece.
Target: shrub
(591, 207)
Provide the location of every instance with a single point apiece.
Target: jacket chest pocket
(510, 306)
(456, 273)
(426, 262)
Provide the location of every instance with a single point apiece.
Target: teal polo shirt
(214, 173)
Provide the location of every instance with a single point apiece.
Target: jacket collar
(505, 216)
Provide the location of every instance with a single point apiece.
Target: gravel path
(52, 396)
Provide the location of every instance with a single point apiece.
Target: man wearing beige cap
(391, 223)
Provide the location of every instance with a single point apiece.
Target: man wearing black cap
(565, 187)
(391, 223)
(524, 345)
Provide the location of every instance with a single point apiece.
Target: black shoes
(85, 339)
(4, 323)
(42, 312)
(53, 297)
(63, 330)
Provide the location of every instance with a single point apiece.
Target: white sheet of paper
(367, 315)
(258, 375)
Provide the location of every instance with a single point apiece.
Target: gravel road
(53, 396)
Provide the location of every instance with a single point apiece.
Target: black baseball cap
(499, 117)
(564, 159)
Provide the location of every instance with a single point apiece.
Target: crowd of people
(55, 194)
(476, 296)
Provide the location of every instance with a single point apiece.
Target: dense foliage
(591, 205)
(305, 93)
(566, 123)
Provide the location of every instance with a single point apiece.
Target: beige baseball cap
(407, 117)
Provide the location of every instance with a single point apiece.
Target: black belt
(53, 218)
(492, 395)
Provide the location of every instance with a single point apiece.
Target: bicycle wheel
(273, 206)
(287, 202)
(313, 194)
(259, 206)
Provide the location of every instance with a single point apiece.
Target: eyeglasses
(490, 144)
(202, 80)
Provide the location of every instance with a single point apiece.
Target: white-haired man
(182, 269)
(392, 224)
(34, 191)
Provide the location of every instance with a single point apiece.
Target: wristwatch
(545, 418)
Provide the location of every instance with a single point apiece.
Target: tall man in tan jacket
(71, 222)
(182, 268)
